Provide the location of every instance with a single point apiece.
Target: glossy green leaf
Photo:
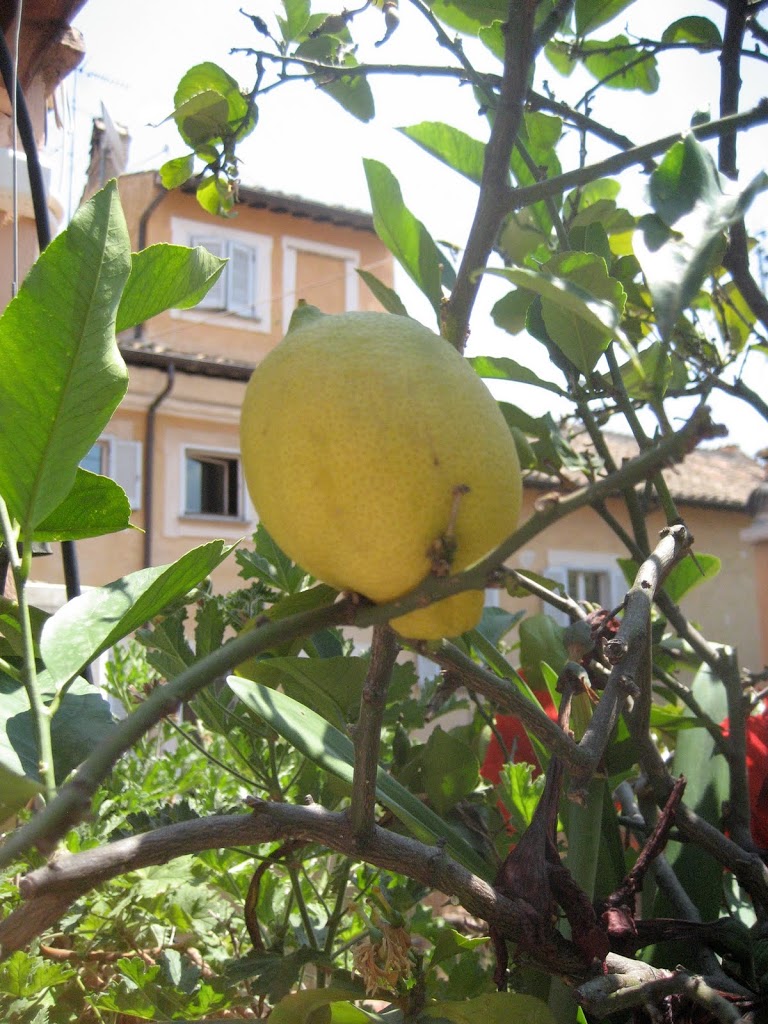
(166, 277)
(579, 320)
(469, 16)
(405, 236)
(82, 719)
(706, 789)
(95, 506)
(450, 943)
(92, 623)
(296, 16)
(511, 311)
(693, 29)
(334, 752)
(451, 146)
(501, 368)
(684, 239)
(274, 975)
(683, 577)
(450, 770)
(209, 105)
(352, 92)
(493, 1008)
(301, 1007)
(16, 790)
(388, 298)
(541, 640)
(591, 14)
(615, 64)
(330, 686)
(175, 172)
(59, 405)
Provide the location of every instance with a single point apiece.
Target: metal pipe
(149, 464)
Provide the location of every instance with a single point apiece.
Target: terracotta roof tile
(711, 477)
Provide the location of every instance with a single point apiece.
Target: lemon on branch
(374, 454)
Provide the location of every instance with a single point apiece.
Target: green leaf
(168, 650)
(511, 311)
(24, 976)
(15, 790)
(539, 134)
(591, 14)
(619, 64)
(450, 943)
(501, 368)
(300, 1007)
(175, 172)
(493, 1008)
(269, 563)
(706, 789)
(693, 29)
(352, 92)
(469, 16)
(388, 298)
(405, 236)
(216, 196)
(580, 306)
(92, 623)
(685, 239)
(333, 751)
(450, 770)
(330, 686)
(274, 976)
(541, 640)
(166, 277)
(209, 629)
(520, 793)
(208, 106)
(94, 507)
(82, 719)
(295, 20)
(451, 146)
(59, 404)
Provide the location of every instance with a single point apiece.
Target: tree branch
(494, 186)
(367, 734)
(518, 198)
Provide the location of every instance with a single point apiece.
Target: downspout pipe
(149, 464)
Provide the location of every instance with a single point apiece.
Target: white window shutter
(216, 298)
(619, 588)
(126, 469)
(241, 279)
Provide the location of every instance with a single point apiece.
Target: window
(122, 461)
(212, 485)
(242, 293)
(321, 274)
(586, 576)
(235, 290)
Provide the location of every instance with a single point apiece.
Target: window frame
(233, 314)
(351, 258)
(212, 454)
(562, 562)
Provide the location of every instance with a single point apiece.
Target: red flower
(757, 772)
(515, 740)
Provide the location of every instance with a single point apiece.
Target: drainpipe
(149, 464)
(159, 196)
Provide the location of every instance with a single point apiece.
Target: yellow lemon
(370, 450)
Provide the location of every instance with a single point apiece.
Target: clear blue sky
(306, 144)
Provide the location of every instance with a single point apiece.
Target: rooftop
(722, 478)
